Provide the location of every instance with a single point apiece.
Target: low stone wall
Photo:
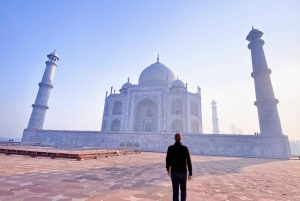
(206, 144)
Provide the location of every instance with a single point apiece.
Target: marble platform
(275, 146)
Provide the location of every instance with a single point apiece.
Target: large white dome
(156, 73)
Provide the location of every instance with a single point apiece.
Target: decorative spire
(111, 88)
(128, 80)
(199, 90)
(177, 77)
(158, 58)
(252, 27)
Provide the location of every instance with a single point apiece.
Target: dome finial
(158, 57)
(177, 77)
(128, 79)
(252, 27)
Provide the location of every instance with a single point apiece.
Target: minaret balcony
(261, 72)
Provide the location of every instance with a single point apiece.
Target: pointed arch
(194, 127)
(129, 144)
(117, 109)
(122, 144)
(136, 144)
(115, 125)
(145, 116)
(177, 126)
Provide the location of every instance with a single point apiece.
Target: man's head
(177, 137)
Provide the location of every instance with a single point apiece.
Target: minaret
(266, 102)
(215, 117)
(40, 106)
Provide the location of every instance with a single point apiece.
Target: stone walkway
(143, 177)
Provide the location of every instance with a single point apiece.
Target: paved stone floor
(143, 177)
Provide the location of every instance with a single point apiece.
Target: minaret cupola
(254, 34)
(53, 56)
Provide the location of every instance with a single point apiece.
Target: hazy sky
(101, 43)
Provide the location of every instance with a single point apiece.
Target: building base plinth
(207, 144)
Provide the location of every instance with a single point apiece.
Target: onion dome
(156, 73)
(125, 86)
(177, 83)
(177, 86)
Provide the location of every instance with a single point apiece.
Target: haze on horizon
(101, 43)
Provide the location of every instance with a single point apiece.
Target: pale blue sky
(101, 43)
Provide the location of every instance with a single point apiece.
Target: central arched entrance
(145, 116)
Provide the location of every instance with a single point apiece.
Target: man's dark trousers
(179, 179)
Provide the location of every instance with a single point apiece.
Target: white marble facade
(159, 103)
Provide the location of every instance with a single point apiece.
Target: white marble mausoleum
(160, 102)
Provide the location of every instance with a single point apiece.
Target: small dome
(253, 31)
(254, 34)
(53, 54)
(177, 83)
(125, 86)
(213, 102)
(156, 73)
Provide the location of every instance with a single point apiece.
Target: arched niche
(145, 116)
(129, 144)
(194, 109)
(177, 126)
(117, 109)
(115, 125)
(136, 144)
(122, 144)
(194, 127)
(176, 107)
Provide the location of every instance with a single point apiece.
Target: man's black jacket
(178, 157)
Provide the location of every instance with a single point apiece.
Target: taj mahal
(158, 103)
(145, 116)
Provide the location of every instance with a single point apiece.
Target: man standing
(178, 157)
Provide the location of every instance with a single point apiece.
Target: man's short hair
(177, 137)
